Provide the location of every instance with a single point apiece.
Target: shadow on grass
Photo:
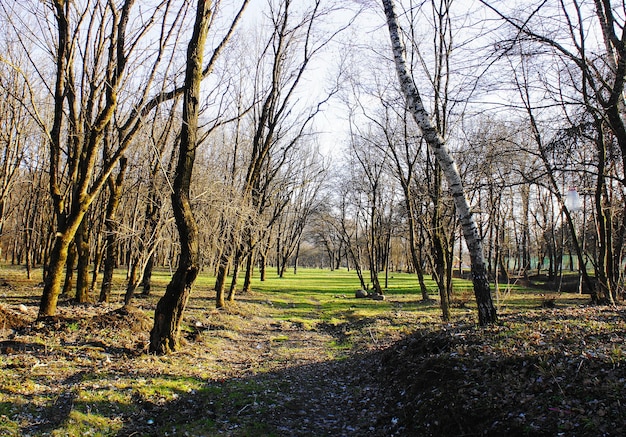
(326, 398)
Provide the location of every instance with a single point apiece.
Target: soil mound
(126, 317)
(11, 320)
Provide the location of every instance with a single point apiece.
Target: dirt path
(257, 372)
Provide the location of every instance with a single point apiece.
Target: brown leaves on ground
(546, 372)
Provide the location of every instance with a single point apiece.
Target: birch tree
(486, 310)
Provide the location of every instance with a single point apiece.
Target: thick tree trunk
(52, 284)
(482, 291)
(169, 311)
(146, 283)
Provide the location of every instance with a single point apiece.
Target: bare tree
(92, 45)
(168, 314)
(306, 176)
(586, 40)
(278, 125)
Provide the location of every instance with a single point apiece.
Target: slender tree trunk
(110, 261)
(486, 310)
(220, 278)
(413, 243)
(170, 308)
(247, 283)
(82, 267)
(233, 283)
(263, 266)
(97, 263)
(69, 271)
(604, 275)
(111, 230)
(133, 282)
(151, 231)
(439, 269)
(296, 257)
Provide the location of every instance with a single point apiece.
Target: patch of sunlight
(89, 424)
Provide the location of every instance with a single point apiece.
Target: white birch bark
(486, 310)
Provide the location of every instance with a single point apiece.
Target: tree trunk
(233, 283)
(169, 311)
(247, 283)
(296, 258)
(52, 284)
(220, 280)
(111, 229)
(133, 282)
(70, 212)
(147, 276)
(263, 266)
(439, 270)
(110, 261)
(97, 263)
(486, 310)
(69, 270)
(82, 267)
(415, 259)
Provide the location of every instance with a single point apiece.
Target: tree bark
(58, 254)
(169, 311)
(146, 283)
(486, 310)
(235, 277)
(68, 283)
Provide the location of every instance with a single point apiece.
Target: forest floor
(268, 366)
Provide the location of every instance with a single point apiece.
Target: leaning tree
(432, 136)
